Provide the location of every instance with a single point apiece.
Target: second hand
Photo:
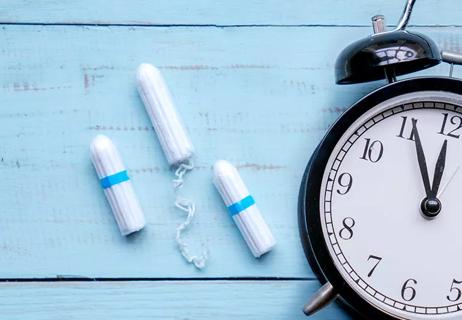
(448, 182)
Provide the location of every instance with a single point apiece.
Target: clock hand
(448, 182)
(430, 205)
(439, 169)
(421, 160)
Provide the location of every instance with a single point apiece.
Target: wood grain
(237, 12)
(254, 83)
(160, 300)
(260, 103)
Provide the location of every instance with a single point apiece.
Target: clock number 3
(347, 232)
(455, 292)
(408, 293)
(373, 151)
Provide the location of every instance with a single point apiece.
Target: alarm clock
(380, 211)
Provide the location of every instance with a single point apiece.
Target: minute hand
(421, 159)
(439, 169)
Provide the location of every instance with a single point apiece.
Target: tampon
(175, 143)
(159, 105)
(242, 208)
(117, 186)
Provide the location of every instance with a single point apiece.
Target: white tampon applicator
(117, 186)
(175, 143)
(242, 208)
(167, 123)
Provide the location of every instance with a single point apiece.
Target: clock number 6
(455, 290)
(373, 151)
(408, 293)
(347, 232)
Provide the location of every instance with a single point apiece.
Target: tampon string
(189, 207)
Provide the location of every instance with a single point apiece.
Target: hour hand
(421, 160)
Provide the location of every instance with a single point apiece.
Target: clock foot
(321, 298)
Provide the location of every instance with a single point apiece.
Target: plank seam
(180, 25)
(62, 278)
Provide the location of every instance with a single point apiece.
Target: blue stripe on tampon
(240, 206)
(114, 179)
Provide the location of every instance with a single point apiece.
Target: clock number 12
(455, 121)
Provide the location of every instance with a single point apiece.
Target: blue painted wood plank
(295, 12)
(260, 103)
(161, 300)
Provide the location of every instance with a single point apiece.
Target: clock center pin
(430, 207)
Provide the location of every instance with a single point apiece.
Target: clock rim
(309, 220)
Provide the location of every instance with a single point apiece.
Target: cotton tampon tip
(242, 208)
(228, 182)
(103, 151)
(147, 72)
(116, 184)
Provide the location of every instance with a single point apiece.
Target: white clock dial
(394, 257)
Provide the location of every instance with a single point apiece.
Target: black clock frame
(309, 221)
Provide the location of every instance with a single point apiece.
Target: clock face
(401, 261)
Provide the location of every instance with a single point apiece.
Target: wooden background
(254, 82)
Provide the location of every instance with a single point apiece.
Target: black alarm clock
(380, 212)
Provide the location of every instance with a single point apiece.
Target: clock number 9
(455, 290)
(408, 293)
(347, 232)
(345, 180)
(373, 151)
